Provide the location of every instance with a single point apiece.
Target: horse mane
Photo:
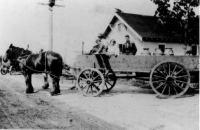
(17, 51)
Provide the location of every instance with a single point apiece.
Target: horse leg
(56, 86)
(29, 87)
(46, 83)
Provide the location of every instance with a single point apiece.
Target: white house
(145, 32)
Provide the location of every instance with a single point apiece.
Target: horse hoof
(45, 86)
(54, 94)
(29, 91)
(73, 88)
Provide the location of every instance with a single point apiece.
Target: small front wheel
(90, 82)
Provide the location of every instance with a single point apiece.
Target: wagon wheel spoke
(165, 70)
(91, 89)
(92, 73)
(97, 81)
(181, 81)
(109, 83)
(174, 88)
(106, 85)
(173, 70)
(158, 76)
(169, 69)
(164, 88)
(106, 73)
(160, 84)
(83, 87)
(160, 72)
(180, 76)
(96, 87)
(88, 88)
(85, 75)
(96, 77)
(83, 79)
(178, 86)
(158, 81)
(179, 72)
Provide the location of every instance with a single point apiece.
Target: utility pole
(51, 4)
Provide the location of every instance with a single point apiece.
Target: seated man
(99, 48)
(128, 48)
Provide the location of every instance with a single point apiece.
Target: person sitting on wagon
(113, 48)
(100, 48)
(128, 48)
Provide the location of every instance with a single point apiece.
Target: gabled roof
(147, 28)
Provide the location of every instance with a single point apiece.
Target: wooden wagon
(169, 76)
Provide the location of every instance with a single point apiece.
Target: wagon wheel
(3, 72)
(169, 79)
(90, 82)
(110, 80)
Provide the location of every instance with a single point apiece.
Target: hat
(97, 40)
(100, 35)
(113, 40)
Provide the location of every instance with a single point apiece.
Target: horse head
(12, 53)
(9, 53)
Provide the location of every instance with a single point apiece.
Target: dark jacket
(129, 48)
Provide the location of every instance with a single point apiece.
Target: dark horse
(44, 62)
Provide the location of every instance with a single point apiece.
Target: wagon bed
(165, 73)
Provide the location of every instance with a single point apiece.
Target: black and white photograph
(99, 64)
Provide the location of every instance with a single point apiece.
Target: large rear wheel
(169, 79)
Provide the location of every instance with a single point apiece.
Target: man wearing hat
(101, 46)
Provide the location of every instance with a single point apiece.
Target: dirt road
(40, 111)
(125, 107)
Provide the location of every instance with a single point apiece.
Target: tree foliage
(182, 13)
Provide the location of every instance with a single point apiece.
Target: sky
(24, 22)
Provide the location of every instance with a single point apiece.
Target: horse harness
(45, 67)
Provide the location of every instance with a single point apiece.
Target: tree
(181, 15)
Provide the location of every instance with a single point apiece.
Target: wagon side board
(133, 63)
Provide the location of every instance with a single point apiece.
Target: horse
(48, 62)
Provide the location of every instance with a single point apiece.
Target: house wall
(119, 36)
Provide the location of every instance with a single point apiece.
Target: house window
(121, 27)
(161, 47)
